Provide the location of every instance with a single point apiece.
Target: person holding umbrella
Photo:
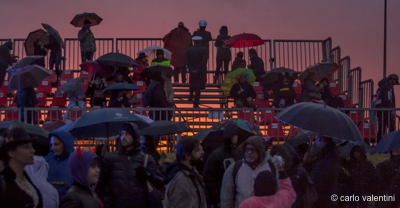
(95, 91)
(257, 64)
(87, 42)
(223, 53)
(55, 54)
(243, 92)
(39, 51)
(309, 90)
(6, 59)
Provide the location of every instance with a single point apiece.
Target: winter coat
(87, 41)
(177, 41)
(206, 38)
(238, 63)
(114, 103)
(59, 175)
(244, 181)
(257, 65)
(137, 70)
(90, 92)
(5, 57)
(248, 91)
(26, 98)
(223, 52)
(308, 87)
(53, 45)
(118, 186)
(196, 59)
(284, 198)
(185, 189)
(156, 94)
(385, 94)
(15, 196)
(38, 172)
(79, 196)
(363, 176)
(389, 176)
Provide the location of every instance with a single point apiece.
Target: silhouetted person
(87, 40)
(257, 64)
(6, 59)
(55, 55)
(223, 53)
(205, 35)
(239, 62)
(39, 51)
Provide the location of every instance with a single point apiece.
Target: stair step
(188, 90)
(180, 96)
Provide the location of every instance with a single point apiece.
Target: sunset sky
(354, 25)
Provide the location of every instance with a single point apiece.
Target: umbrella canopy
(166, 70)
(121, 86)
(321, 119)
(105, 122)
(244, 40)
(213, 134)
(117, 60)
(232, 78)
(31, 129)
(55, 125)
(27, 77)
(273, 75)
(322, 70)
(389, 142)
(94, 67)
(301, 137)
(26, 61)
(346, 149)
(159, 128)
(78, 20)
(71, 86)
(149, 51)
(54, 33)
(242, 124)
(31, 39)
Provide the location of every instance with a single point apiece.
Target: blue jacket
(59, 175)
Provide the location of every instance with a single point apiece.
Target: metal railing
(366, 92)
(354, 80)
(335, 58)
(344, 67)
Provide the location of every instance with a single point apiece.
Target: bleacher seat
(257, 88)
(355, 116)
(59, 101)
(367, 131)
(267, 116)
(261, 102)
(246, 115)
(297, 87)
(142, 86)
(3, 99)
(53, 115)
(85, 74)
(335, 89)
(346, 101)
(45, 87)
(52, 77)
(67, 75)
(11, 115)
(275, 129)
(293, 130)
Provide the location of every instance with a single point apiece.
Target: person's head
(120, 77)
(394, 79)
(62, 142)
(57, 145)
(143, 57)
(150, 142)
(358, 153)
(323, 141)
(243, 77)
(160, 53)
(265, 184)
(87, 24)
(230, 134)
(180, 24)
(39, 41)
(121, 93)
(203, 24)
(157, 76)
(254, 150)
(84, 168)
(282, 151)
(395, 155)
(17, 147)
(197, 40)
(189, 151)
(253, 53)
(240, 55)
(129, 136)
(325, 82)
(223, 30)
(9, 45)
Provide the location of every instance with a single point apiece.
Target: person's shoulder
(384, 165)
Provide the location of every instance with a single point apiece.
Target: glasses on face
(251, 149)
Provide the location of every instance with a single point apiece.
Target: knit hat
(259, 144)
(133, 130)
(265, 184)
(79, 163)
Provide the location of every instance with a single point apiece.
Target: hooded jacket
(244, 181)
(223, 52)
(26, 97)
(177, 41)
(38, 173)
(5, 57)
(80, 194)
(385, 94)
(59, 175)
(87, 41)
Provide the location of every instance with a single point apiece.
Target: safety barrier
(354, 80)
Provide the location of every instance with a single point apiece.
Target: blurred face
(93, 173)
(57, 145)
(197, 156)
(357, 154)
(251, 154)
(242, 79)
(23, 154)
(160, 56)
(144, 60)
(396, 152)
(87, 26)
(234, 139)
(325, 83)
(120, 77)
(126, 139)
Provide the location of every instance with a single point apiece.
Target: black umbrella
(71, 86)
(26, 61)
(274, 74)
(389, 142)
(159, 128)
(321, 70)
(31, 129)
(117, 60)
(54, 33)
(166, 70)
(31, 39)
(94, 67)
(104, 122)
(80, 18)
(27, 77)
(301, 137)
(321, 119)
(55, 125)
(122, 86)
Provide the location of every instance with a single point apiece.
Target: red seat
(257, 88)
(67, 75)
(346, 101)
(335, 89)
(85, 74)
(297, 87)
(141, 111)
(52, 77)
(3, 99)
(293, 130)
(4, 88)
(45, 87)
(246, 115)
(61, 83)
(11, 115)
(139, 98)
(276, 130)
(73, 115)
(356, 117)
(42, 100)
(261, 102)
(367, 132)
(59, 101)
(267, 116)
(142, 86)
(53, 115)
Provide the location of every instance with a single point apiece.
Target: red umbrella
(95, 67)
(244, 40)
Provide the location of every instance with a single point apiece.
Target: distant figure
(309, 89)
(39, 51)
(196, 61)
(285, 94)
(119, 100)
(389, 179)
(223, 53)
(6, 59)
(205, 35)
(239, 62)
(87, 40)
(177, 41)
(95, 91)
(26, 98)
(76, 98)
(154, 97)
(243, 93)
(55, 55)
(257, 64)
(328, 97)
(161, 60)
(142, 62)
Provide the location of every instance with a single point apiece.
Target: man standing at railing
(6, 59)
(386, 99)
(88, 45)
(205, 35)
